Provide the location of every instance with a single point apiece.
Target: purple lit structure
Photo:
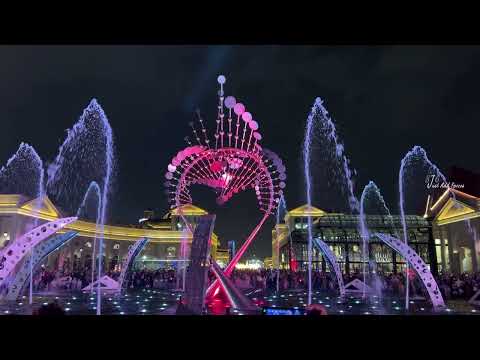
(13, 254)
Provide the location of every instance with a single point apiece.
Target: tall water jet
(306, 159)
(364, 231)
(106, 185)
(86, 155)
(24, 174)
(281, 204)
(84, 211)
(332, 150)
(182, 265)
(371, 202)
(415, 160)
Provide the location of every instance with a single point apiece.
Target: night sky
(384, 100)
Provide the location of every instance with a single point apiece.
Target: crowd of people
(53, 280)
(154, 279)
(462, 286)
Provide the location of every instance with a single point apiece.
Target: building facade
(19, 214)
(455, 217)
(446, 237)
(342, 233)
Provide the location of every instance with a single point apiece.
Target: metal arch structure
(127, 264)
(20, 248)
(40, 252)
(233, 162)
(332, 262)
(419, 265)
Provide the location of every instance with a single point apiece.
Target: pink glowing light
(216, 166)
(235, 163)
(230, 102)
(253, 125)
(247, 117)
(229, 166)
(227, 178)
(181, 156)
(239, 108)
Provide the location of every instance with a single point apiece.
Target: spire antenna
(221, 80)
(195, 133)
(187, 140)
(204, 130)
(230, 102)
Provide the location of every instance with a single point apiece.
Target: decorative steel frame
(234, 162)
(332, 261)
(40, 252)
(127, 264)
(418, 265)
(21, 247)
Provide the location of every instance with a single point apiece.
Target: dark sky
(384, 100)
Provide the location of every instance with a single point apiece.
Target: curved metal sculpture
(332, 262)
(40, 252)
(196, 277)
(419, 265)
(234, 163)
(20, 248)
(127, 264)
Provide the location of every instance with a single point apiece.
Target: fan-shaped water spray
(23, 173)
(331, 175)
(86, 155)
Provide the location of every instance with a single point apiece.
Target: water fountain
(415, 162)
(84, 161)
(327, 133)
(281, 205)
(320, 125)
(86, 155)
(94, 189)
(371, 202)
(234, 161)
(24, 174)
